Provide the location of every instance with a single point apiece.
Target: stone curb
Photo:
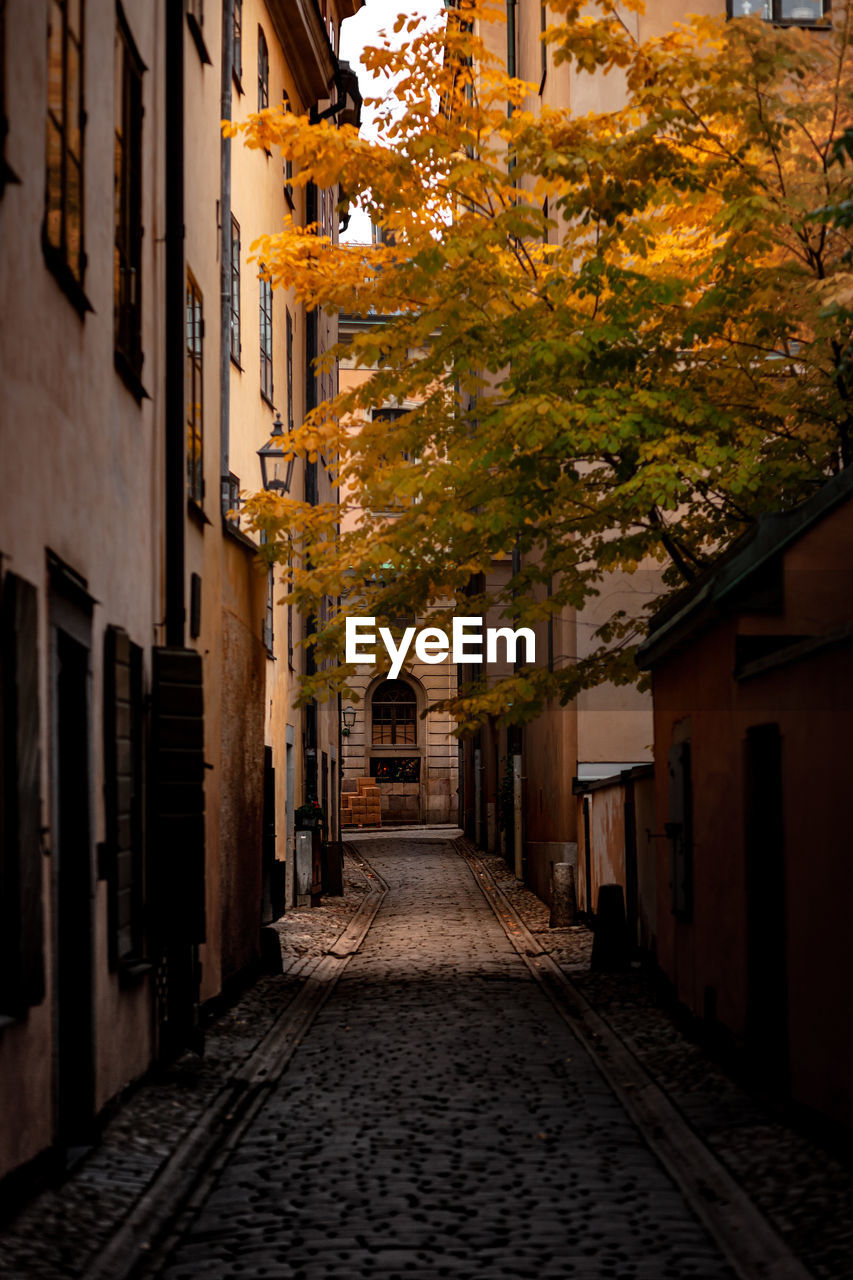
(751, 1245)
(160, 1215)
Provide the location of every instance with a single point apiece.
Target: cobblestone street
(414, 1096)
(441, 1120)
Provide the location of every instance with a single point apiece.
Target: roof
(701, 604)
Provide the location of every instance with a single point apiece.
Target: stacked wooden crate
(362, 808)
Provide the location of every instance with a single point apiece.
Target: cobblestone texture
(805, 1191)
(53, 1237)
(441, 1119)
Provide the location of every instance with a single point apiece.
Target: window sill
(236, 363)
(132, 970)
(196, 514)
(130, 377)
(239, 537)
(198, 39)
(238, 82)
(8, 177)
(267, 400)
(67, 282)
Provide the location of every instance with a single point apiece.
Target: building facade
(397, 736)
(752, 692)
(518, 782)
(150, 760)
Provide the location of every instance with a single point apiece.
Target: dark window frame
(772, 11)
(22, 931)
(265, 309)
(289, 365)
(263, 71)
(287, 165)
(195, 22)
(8, 177)
(290, 611)
(236, 347)
(124, 807)
(194, 364)
(396, 768)
(269, 614)
(58, 193)
(127, 283)
(400, 714)
(237, 45)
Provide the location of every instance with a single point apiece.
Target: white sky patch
(357, 33)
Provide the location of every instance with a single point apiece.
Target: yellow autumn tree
(616, 326)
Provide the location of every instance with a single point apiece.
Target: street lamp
(348, 717)
(272, 457)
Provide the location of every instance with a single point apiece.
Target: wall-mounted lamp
(348, 717)
(272, 461)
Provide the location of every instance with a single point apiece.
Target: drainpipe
(510, 41)
(225, 261)
(175, 425)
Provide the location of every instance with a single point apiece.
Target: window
(123, 796)
(195, 403)
(395, 711)
(543, 25)
(395, 768)
(269, 613)
(127, 284)
(263, 71)
(804, 11)
(63, 224)
(21, 856)
(266, 338)
(290, 611)
(235, 290)
(231, 500)
(237, 63)
(288, 164)
(7, 175)
(195, 22)
(289, 354)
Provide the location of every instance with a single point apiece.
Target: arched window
(263, 71)
(395, 715)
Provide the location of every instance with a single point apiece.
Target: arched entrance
(395, 746)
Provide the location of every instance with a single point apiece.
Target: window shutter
(21, 922)
(123, 793)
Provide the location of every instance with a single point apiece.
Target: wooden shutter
(21, 919)
(123, 794)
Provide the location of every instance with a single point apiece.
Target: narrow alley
(416, 1105)
(441, 1120)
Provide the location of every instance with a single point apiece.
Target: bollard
(304, 867)
(333, 868)
(610, 945)
(562, 896)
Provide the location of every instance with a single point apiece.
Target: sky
(356, 33)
